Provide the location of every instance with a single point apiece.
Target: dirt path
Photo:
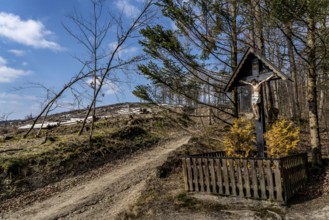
(105, 196)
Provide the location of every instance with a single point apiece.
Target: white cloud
(174, 26)
(108, 87)
(18, 53)
(2, 61)
(17, 97)
(9, 74)
(127, 8)
(129, 51)
(27, 32)
(112, 46)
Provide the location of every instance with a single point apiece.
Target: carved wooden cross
(255, 66)
(260, 124)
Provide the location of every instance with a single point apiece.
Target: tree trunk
(259, 28)
(321, 103)
(275, 86)
(322, 79)
(312, 94)
(252, 25)
(234, 56)
(261, 49)
(293, 71)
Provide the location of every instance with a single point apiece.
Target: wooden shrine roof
(244, 69)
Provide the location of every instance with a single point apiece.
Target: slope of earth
(27, 164)
(136, 181)
(105, 195)
(164, 196)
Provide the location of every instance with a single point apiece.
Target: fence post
(259, 178)
(278, 180)
(284, 179)
(269, 179)
(246, 177)
(185, 174)
(213, 177)
(219, 175)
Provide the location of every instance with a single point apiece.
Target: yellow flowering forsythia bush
(240, 138)
(282, 138)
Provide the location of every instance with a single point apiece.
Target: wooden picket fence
(259, 178)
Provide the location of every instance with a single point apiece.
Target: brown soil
(147, 185)
(165, 198)
(100, 194)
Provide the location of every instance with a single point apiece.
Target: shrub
(129, 133)
(282, 139)
(241, 137)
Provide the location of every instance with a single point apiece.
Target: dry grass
(30, 163)
(165, 194)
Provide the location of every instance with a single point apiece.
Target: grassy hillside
(30, 163)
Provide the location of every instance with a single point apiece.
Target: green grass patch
(185, 201)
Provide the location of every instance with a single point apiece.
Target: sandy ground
(113, 188)
(104, 196)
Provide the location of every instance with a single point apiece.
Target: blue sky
(35, 48)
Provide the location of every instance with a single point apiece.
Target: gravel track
(104, 196)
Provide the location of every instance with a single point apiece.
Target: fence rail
(259, 178)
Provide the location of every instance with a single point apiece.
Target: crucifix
(254, 70)
(256, 88)
(256, 80)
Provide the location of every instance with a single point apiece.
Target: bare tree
(100, 64)
(91, 34)
(122, 36)
(50, 103)
(4, 116)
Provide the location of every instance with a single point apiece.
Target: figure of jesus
(255, 94)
